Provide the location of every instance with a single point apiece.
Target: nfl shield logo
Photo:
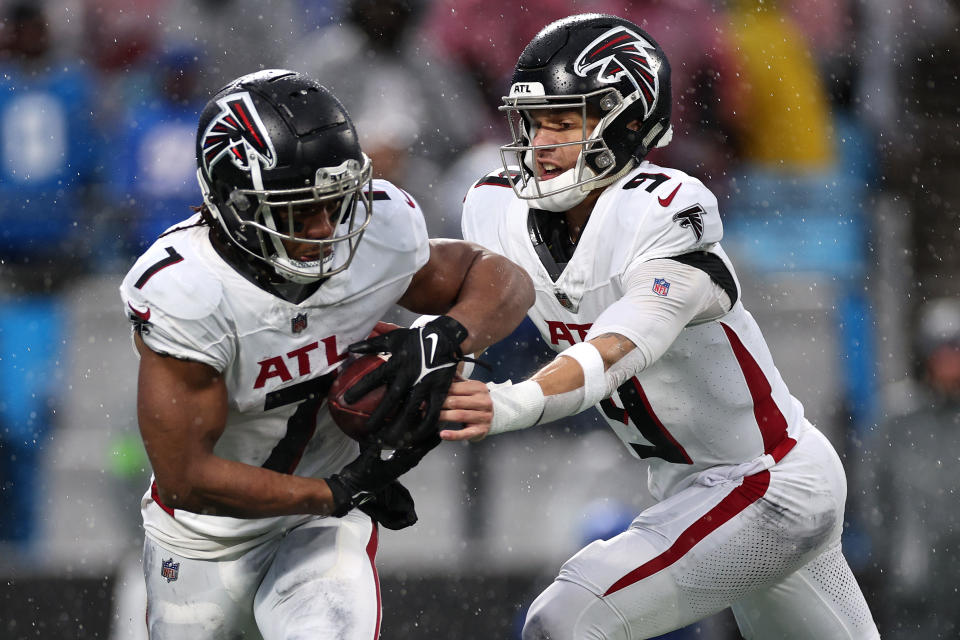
(298, 323)
(563, 299)
(170, 569)
(661, 286)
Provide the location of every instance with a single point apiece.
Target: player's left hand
(468, 403)
(422, 364)
(392, 506)
(369, 473)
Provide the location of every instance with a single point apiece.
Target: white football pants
(767, 545)
(317, 582)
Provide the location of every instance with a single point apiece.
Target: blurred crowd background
(829, 129)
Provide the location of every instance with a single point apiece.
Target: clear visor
(282, 216)
(521, 113)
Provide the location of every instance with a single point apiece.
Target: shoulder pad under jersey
(170, 278)
(484, 205)
(397, 219)
(391, 195)
(497, 178)
(666, 211)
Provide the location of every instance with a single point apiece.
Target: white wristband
(515, 406)
(594, 373)
(422, 320)
(466, 369)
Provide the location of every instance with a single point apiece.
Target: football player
(261, 517)
(644, 308)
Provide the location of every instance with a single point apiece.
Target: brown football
(351, 418)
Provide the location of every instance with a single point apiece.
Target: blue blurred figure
(155, 172)
(47, 174)
(47, 153)
(29, 376)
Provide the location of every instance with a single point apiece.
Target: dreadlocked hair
(206, 217)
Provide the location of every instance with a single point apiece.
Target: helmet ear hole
(239, 201)
(610, 102)
(604, 160)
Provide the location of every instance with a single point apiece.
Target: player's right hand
(422, 365)
(470, 404)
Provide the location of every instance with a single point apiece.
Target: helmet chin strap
(564, 194)
(292, 275)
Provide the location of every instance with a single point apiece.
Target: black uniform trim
(494, 181)
(172, 258)
(712, 265)
(551, 240)
(503, 179)
(635, 409)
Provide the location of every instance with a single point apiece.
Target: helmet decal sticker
(237, 131)
(620, 52)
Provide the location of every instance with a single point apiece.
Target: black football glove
(392, 506)
(359, 481)
(422, 364)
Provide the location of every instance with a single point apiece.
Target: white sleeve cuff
(466, 369)
(515, 406)
(594, 378)
(422, 320)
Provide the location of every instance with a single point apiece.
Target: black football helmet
(606, 67)
(270, 144)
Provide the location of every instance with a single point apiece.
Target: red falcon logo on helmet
(620, 52)
(237, 131)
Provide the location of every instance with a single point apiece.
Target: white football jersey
(278, 358)
(715, 397)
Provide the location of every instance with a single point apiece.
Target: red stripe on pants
(372, 554)
(751, 490)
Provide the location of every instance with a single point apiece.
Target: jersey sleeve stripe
(494, 181)
(172, 258)
(752, 489)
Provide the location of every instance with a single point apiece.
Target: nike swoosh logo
(665, 202)
(143, 315)
(433, 348)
